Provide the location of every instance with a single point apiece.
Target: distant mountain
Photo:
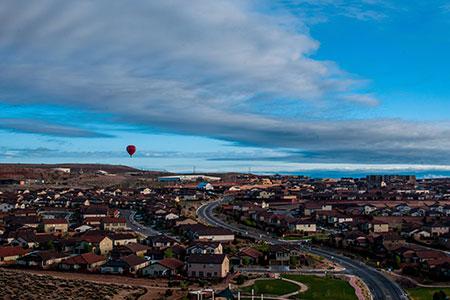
(43, 171)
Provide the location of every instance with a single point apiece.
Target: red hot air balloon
(131, 149)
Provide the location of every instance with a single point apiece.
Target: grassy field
(274, 287)
(421, 293)
(324, 288)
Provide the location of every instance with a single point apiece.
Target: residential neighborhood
(257, 226)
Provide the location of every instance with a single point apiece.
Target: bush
(440, 296)
(241, 279)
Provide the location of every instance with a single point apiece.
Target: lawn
(324, 288)
(421, 293)
(274, 287)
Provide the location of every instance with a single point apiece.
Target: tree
(87, 247)
(293, 261)
(397, 262)
(49, 245)
(168, 253)
(440, 295)
(246, 260)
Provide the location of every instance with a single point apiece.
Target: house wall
(306, 227)
(124, 242)
(436, 231)
(49, 228)
(209, 270)
(217, 238)
(114, 226)
(6, 259)
(155, 270)
(380, 228)
(105, 246)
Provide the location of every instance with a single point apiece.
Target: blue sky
(225, 85)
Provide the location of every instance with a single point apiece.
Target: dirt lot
(38, 284)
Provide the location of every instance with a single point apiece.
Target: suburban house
(208, 265)
(160, 241)
(113, 224)
(42, 259)
(202, 247)
(437, 228)
(98, 243)
(55, 225)
(9, 254)
(307, 226)
(214, 234)
(131, 248)
(85, 262)
(283, 255)
(94, 211)
(31, 239)
(376, 226)
(249, 256)
(163, 268)
(122, 238)
(130, 264)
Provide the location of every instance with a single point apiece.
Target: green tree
(87, 247)
(440, 295)
(168, 253)
(246, 260)
(293, 261)
(49, 245)
(397, 262)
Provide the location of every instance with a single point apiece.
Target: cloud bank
(190, 68)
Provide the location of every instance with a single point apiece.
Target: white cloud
(365, 99)
(185, 67)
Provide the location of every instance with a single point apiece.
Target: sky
(227, 85)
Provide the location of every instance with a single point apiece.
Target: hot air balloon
(131, 149)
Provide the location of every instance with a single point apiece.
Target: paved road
(139, 228)
(135, 226)
(382, 287)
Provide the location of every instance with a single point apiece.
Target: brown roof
(135, 247)
(54, 221)
(84, 259)
(11, 251)
(91, 238)
(171, 263)
(206, 258)
(133, 260)
(430, 254)
(250, 252)
(113, 220)
(213, 231)
(121, 235)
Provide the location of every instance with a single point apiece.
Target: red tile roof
(84, 259)
(12, 251)
(250, 252)
(54, 221)
(113, 220)
(171, 263)
(133, 260)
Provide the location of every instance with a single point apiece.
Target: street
(381, 287)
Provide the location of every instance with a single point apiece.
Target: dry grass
(20, 285)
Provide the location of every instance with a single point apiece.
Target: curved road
(382, 287)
